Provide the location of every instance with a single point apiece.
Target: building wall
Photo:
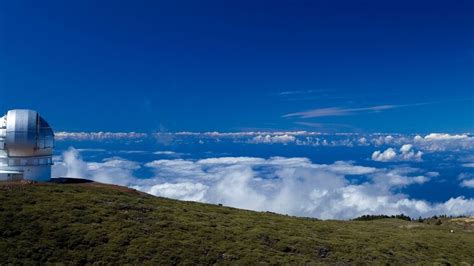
(40, 173)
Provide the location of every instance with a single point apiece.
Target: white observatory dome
(26, 146)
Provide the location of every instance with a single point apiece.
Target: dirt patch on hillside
(412, 225)
(464, 221)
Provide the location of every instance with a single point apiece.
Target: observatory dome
(26, 146)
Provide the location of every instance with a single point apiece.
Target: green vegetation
(378, 217)
(95, 223)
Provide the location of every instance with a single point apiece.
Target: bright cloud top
(406, 153)
(274, 139)
(293, 186)
(439, 136)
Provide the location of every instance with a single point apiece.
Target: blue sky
(372, 66)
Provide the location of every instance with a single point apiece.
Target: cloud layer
(293, 186)
(62, 135)
(432, 142)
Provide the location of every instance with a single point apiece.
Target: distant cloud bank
(62, 135)
(395, 143)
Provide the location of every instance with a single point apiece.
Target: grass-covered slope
(94, 223)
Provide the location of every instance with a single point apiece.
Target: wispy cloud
(299, 92)
(310, 95)
(339, 111)
(344, 111)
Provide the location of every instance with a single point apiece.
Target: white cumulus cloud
(385, 156)
(405, 153)
(294, 186)
(184, 191)
(444, 142)
(441, 136)
(273, 139)
(113, 170)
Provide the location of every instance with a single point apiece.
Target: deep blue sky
(240, 65)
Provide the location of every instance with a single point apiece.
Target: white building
(26, 146)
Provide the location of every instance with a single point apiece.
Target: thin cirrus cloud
(339, 111)
(342, 111)
(299, 92)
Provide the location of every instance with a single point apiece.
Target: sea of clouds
(287, 185)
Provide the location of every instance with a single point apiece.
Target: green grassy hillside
(95, 223)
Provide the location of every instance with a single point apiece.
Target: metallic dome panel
(27, 134)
